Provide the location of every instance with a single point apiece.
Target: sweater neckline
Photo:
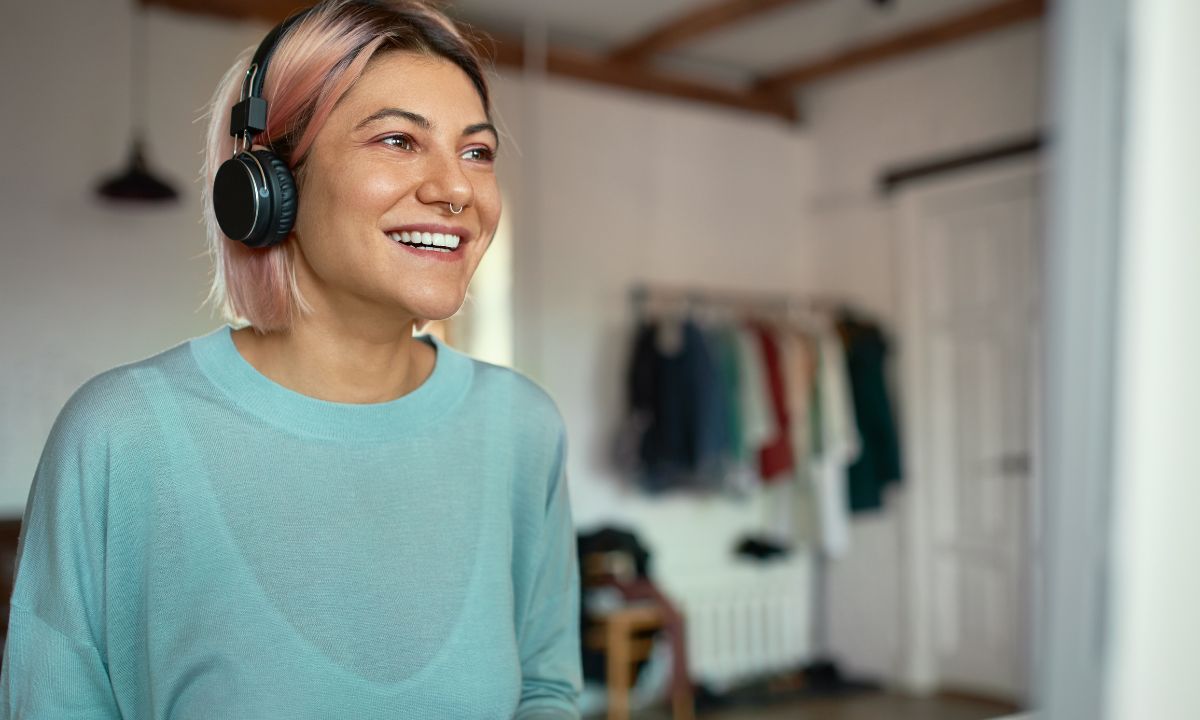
(224, 366)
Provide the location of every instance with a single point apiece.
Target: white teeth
(446, 240)
(437, 241)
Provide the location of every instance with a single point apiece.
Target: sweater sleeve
(54, 659)
(549, 634)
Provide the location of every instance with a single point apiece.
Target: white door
(971, 250)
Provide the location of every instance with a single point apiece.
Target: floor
(874, 706)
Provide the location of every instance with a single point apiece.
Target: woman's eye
(480, 153)
(403, 142)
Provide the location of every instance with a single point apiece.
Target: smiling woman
(407, 145)
(312, 512)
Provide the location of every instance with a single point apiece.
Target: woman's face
(409, 139)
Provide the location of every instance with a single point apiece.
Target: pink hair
(313, 65)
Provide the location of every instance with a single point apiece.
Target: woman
(316, 515)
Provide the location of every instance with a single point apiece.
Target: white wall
(84, 287)
(975, 93)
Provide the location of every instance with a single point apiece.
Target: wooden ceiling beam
(991, 17)
(559, 61)
(583, 66)
(701, 21)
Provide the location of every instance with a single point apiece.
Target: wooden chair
(625, 636)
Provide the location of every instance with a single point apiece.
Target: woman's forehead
(426, 84)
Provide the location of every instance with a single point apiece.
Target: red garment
(775, 458)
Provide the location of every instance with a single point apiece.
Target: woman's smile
(432, 241)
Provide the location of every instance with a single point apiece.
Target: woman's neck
(339, 362)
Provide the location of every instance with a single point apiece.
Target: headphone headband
(249, 116)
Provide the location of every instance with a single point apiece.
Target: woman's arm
(54, 659)
(549, 632)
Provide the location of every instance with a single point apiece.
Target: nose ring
(453, 211)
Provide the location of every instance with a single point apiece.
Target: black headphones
(254, 194)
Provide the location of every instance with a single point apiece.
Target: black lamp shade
(136, 183)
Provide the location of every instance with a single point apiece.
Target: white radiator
(747, 620)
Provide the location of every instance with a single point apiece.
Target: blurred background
(870, 320)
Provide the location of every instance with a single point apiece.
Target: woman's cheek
(487, 200)
(377, 188)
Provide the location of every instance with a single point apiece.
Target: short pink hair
(313, 65)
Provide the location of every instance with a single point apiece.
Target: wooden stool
(617, 636)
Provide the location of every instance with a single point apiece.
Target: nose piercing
(453, 211)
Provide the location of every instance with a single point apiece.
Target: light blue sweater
(203, 543)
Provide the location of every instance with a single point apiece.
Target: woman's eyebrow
(482, 127)
(389, 112)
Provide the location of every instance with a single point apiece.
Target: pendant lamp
(137, 183)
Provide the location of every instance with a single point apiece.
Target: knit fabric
(201, 542)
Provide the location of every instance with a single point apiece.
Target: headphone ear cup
(239, 199)
(283, 198)
(254, 198)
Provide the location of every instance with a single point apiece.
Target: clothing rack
(822, 674)
(645, 296)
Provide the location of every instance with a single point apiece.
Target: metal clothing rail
(645, 295)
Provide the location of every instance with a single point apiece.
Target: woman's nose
(445, 182)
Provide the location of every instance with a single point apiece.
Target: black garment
(640, 387)
(761, 549)
(675, 406)
(615, 540)
(879, 463)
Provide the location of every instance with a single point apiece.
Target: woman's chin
(434, 311)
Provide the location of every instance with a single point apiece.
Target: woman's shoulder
(506, 389)
(116, 399)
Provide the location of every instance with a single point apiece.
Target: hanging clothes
(733, 407)
(835, 443)
(675, 406)
(879, 463)
(711, 411)
(798, 360)
(759, 424)
(798, 357)
(641, 398)
(723, 345)
(775, 457)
